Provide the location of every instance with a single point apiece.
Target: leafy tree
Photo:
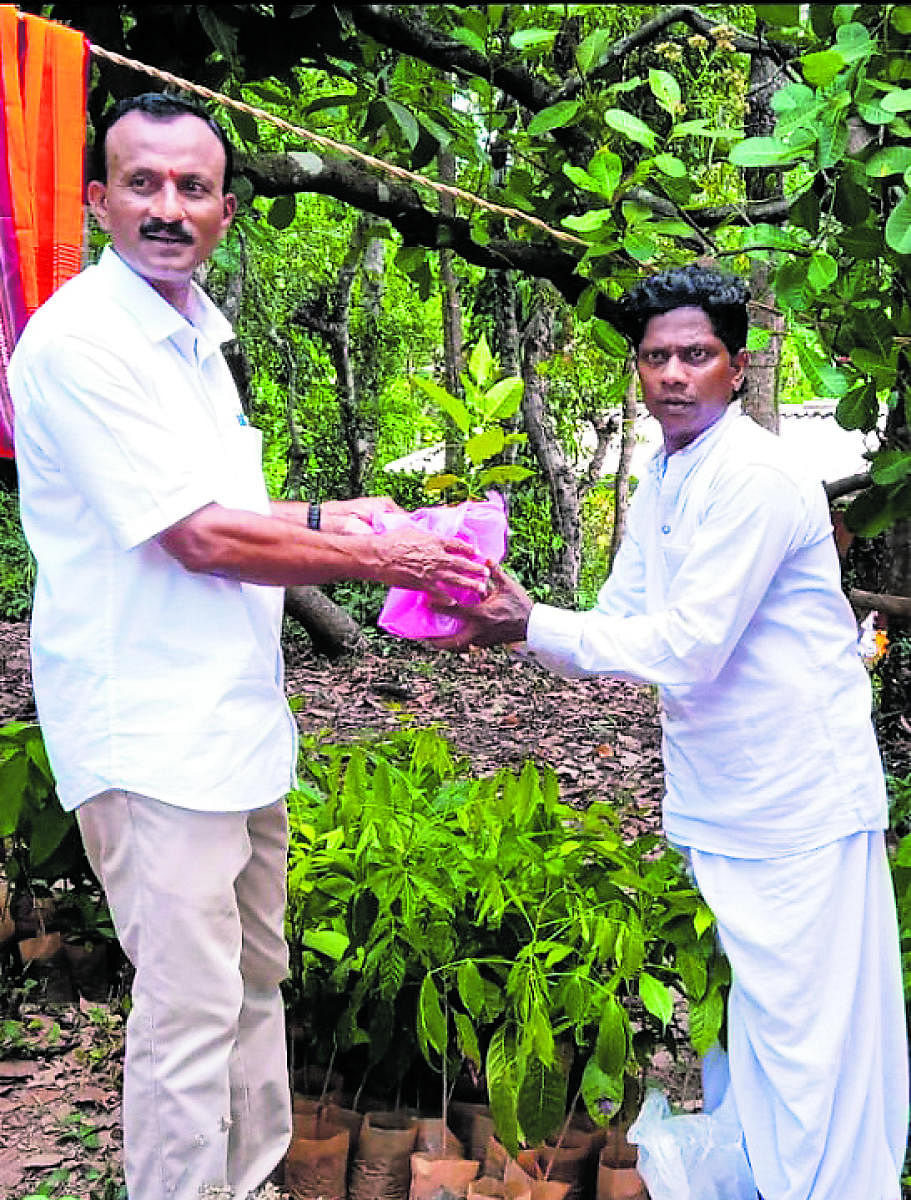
(842, 140)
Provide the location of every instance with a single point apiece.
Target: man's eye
(698, 354)
(140, 183)
(654, 358)
(194, 187)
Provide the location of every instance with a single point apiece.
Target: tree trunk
(760, 398)
(453, 330)
(558, 471)
(627, 445)
(329, 316)
(331, 630)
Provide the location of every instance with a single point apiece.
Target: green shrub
(482, 922)
(17, 567)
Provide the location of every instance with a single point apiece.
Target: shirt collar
(697, 447)
(160, 320)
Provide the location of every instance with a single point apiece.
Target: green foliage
(438, 915)
(40, 846)
(841, 263)
(901, 878)
(17, 567)
(899, 788)
(483, 419)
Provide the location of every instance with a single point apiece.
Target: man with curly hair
(726, 593)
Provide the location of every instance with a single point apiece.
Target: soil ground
(59, 1085)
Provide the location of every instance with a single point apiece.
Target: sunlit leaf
(612, 1046)
(639, 245)
(898, 226)
(630, 126)
(431, 1019)
(762, 152)
(451, 405)
(555, 117)
(821, 67)
(703, 919)
(890, 160)
(822, 271)
(591, 50)
(891, 466)
(609, 340)
(471, 987)
(656, 997)
(468, 1040)
(405, 120)
(706, 1018)
(485, 445)
(439, 483)
(502, 1088)
(590, 222)
(532, 40)
(601, 1092)
(480, 362)
(670, 165)
(665, 89)
(507, 473)
(503, 399)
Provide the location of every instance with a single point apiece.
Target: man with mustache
(726, 593)
(155, 646)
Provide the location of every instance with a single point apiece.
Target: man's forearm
(278, 551)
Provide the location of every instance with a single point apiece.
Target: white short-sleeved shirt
(726, 593)
(147, 677)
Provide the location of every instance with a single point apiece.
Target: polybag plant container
(481, 524)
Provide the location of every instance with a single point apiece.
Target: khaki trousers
(198, 903)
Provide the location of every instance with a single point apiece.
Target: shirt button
(665, 528)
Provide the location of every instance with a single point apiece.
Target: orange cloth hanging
(43, 82)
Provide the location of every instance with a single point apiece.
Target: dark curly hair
(160, 105)
(723, 299)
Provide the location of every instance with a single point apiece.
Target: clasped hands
(500, 617)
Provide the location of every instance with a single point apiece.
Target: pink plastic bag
(480, 523)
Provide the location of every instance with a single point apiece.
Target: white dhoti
(816, 1020)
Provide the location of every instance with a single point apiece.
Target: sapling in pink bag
(480, 523)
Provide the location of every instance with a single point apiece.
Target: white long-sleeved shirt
(726, 593)
(147, 677)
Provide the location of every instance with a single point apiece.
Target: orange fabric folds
(43, 71)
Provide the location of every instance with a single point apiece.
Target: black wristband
(313, 513)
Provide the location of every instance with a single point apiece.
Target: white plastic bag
(697, 1156)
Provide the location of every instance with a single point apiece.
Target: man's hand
(355, 516)
(421, 561)
(501, 617)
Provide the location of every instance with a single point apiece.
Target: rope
(339, 147)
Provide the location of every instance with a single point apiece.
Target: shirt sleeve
(714, 586)
(120, 442)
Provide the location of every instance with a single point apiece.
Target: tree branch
(286, 174)
(848, 485)
(892, 606)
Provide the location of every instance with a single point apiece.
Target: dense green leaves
(490, 920)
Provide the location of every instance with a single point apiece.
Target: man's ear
(97, 196)
(739, 364)
(230, 208)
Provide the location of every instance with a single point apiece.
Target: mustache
(171, 229)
